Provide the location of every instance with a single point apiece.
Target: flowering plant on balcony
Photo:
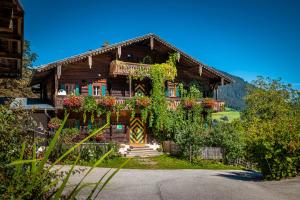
(72, 103)
(142, 101)
(54, 123)
(107, 102)
(209, 103)
(188, 103)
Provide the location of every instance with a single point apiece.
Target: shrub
(272, 128)
(54, 123)
(228, 136)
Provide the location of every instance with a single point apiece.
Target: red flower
(73, 102)
(209, 103)
(108, 101)
(188, 103)
(54, 123)
(142, 101)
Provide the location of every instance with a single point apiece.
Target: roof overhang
(80, 57)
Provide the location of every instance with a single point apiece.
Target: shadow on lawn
(242, 175)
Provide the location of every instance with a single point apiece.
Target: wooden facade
(105, 72)
(11, 38)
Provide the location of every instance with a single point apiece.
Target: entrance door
(137, 131)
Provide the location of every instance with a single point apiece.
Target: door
(137, 131)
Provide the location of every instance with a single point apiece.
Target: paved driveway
(134, 184)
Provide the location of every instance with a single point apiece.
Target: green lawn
(164, 162)
(231, 114)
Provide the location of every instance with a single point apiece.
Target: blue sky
(243, 37)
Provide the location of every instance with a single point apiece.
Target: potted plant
(107, 102)
(209, 103)
(72, 103)
(188, 103)
(54, 123)
(142, 101)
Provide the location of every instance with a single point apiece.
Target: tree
(272, 128)
(20, 87)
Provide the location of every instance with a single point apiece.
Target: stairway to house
(142, 151)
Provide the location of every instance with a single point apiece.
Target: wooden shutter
(166, 91)
(77, 93)
(103, 89)
(177, 91)
(89, 124)
(90, 89)
(62, 86)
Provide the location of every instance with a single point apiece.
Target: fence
(209, 153)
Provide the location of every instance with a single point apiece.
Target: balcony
(173, 103)
(127, 68)
(59, 100)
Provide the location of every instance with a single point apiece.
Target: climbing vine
(159, 74)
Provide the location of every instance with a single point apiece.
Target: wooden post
(151, 43)
(90, 61)
(119, 51)
(200, 70)
(130, 82)
(56, 90)
(58, 71)
(222, 81)
(216, 91)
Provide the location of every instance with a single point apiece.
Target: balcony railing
(173, 103)
(127, 68)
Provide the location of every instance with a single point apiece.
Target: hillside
(233, 94)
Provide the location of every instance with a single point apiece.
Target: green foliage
(229, 136)
(89, 153)
(33, 179)
(89, 106)
(272, 128)
(159, 73)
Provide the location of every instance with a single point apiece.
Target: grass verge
(164, 162)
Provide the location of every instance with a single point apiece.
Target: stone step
(143, 153)
(140, 149)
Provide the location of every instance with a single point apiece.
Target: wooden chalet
(105, 71)
(11, 38)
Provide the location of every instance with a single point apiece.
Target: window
(70, 88)
(172, 91)
(96, 90)
(99, 88)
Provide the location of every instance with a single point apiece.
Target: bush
(272, 128)
(228, 136)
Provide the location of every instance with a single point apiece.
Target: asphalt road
(131, 184)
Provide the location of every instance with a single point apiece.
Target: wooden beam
(119, 51)
(58, 71)
(222, 81)
(178, 56)
(200, 70)
(90, 61)
(151, 43)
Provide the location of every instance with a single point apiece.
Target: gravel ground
(134, 184)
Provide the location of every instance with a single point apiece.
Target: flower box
(209, 103)
(188, 103)
(142, 102)
(107, 102)
(72, 102)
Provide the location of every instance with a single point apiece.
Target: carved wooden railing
(127, 68)
(172, 102)
(59, 100)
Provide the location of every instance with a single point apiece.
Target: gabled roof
(82, 56)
